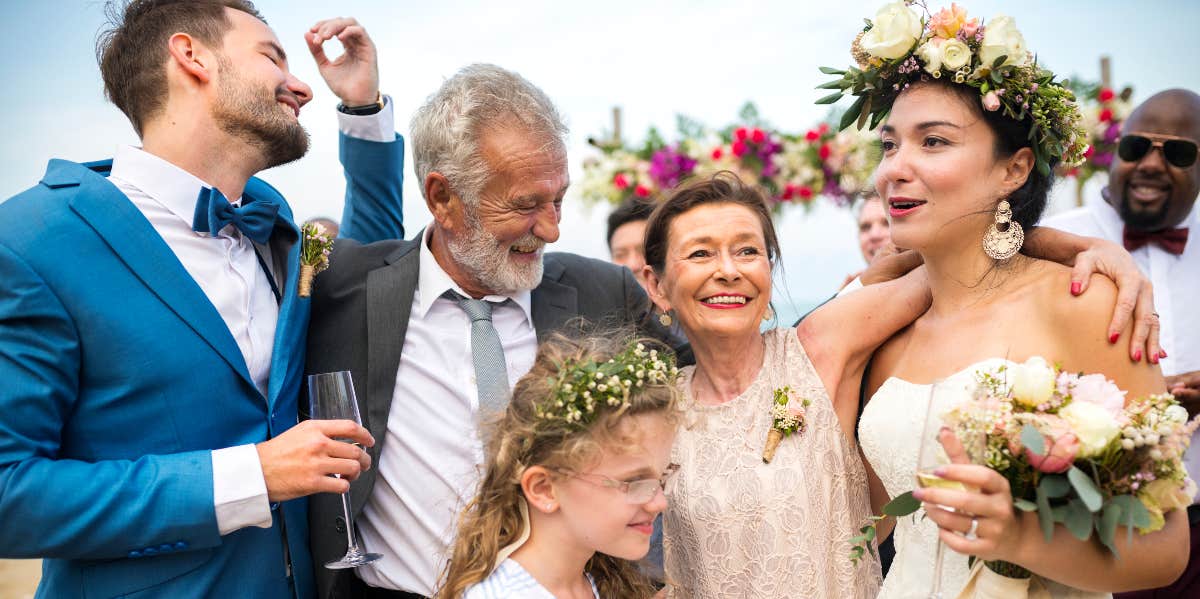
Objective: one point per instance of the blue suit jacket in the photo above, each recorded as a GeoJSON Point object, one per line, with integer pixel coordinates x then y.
{"type": "Point", "coordinates": [117, 379]}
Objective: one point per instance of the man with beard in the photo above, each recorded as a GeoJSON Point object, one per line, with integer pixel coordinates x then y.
{"type": "Point", "coordinates": [436, 329]}
{"type": "Point", "coordinates": [1150, 205]}
{"type": "Point", "coordinates": [150, 327]}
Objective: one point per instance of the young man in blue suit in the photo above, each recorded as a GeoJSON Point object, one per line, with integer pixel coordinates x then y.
{"type": "Point", "coordinates": [151, 335]}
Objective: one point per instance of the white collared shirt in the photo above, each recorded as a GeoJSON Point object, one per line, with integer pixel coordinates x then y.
{"type": "Point", "coordinates": [1176, 281]}
{"type": "Point", "coordinates": [228, 272]}
{"type": "Point", "coordinates": [432, 455]}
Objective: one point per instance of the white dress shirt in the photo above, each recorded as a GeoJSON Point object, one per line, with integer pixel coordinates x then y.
{"type": "Point", "coordinates": [432, 455]}
{"type": "Point", "coordinates": [228, 272]}
{"type": "Point", "coordinates": [1176, 281]}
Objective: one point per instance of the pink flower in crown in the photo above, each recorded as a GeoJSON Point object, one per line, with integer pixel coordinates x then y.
{"type": "Point", "coordinates": [991, 101]}
{"type": "Point", "coordinates": [1095, 388]}
{"type": "Point", "coordinates": [970, 29]}
{"type": "Point", "coordinates": [946, 23]}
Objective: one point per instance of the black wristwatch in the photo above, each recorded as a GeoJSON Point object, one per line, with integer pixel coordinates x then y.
{"type": "Point", "coordinates": [364, 110]}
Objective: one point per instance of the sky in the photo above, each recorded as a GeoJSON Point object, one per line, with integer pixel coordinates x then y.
{"type": "Point", "coordinates": [655, 60]}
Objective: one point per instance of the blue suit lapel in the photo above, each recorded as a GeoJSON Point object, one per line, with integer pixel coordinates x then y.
{"type": "Point", "coordinates": [138, 245]}
{"type": "Point", "coordinates": [292, 327]}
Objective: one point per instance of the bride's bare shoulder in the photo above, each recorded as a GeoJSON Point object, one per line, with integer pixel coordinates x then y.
{"type": "Point", "coordinates": [1080, 327]}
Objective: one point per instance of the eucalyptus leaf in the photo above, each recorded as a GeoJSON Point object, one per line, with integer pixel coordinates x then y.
{"type": "Point", "coordinates": [1106, 525]}
{"type": "Point", "coordinates": [1032, 439]}
{"type": "Point", "coordinates": [1086, 489]}
{"type": "Point", "coordinates": [1024, 505]}
{"type": "Point", "coordinates": [997, 78]}
{"type": "Point", "coordinates": [1045, 518]}
{"type": "Point", "coordinates": [1055, 486]}
{"type": "Point", "coordinates": [831, 98]}
{"type": "Point", "coordinates": [903, 505]}
{"type": "Point", "coordinates": [832, 71]}
{"type": "Point", "coordinates": [999, 61]}
{"type": "Point", "coordinates": [1079, 520]}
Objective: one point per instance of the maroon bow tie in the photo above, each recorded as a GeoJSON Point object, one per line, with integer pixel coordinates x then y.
{"type": "Point", "coordinates": [1170, 240]}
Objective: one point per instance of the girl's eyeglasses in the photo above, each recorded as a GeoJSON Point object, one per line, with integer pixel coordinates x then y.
{"type": "Point", "coordinates": [635, 491]}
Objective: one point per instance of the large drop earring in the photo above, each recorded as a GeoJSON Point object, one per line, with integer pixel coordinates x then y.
{"type": "Point", "coordinates": [665, 319]}
{"type": "Point", "coordinates": [1004, 238]}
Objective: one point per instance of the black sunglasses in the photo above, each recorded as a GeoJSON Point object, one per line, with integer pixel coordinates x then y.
{"type": "Point", "coordinates": [1180, 153]}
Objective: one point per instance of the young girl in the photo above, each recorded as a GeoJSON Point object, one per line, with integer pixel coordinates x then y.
{"type": "Point", "coordinates": [575, 477]}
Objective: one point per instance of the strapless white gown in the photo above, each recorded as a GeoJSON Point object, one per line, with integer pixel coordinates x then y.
{"type": "Point", "coordinates": [889, 433]}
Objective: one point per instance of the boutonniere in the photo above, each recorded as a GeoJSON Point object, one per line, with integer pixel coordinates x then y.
{"type": "Point", "coordinates": [315, 245]}
{"type": "Point", "coordinates": [787, 417]}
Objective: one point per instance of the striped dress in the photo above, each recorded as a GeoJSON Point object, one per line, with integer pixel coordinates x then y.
{"type": "Point", "coordinates": [511, 581]}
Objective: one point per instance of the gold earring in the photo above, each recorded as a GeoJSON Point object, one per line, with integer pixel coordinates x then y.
{"type": "Point", "coordinates": [1004, 238]}
{"type": "Point", "coordinates": [769, 314]}
{"type": "Point", "coordinates": [664, 319]}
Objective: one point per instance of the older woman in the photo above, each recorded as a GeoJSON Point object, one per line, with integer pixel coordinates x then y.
{"type": "Point", "coordinates": [737, 525]}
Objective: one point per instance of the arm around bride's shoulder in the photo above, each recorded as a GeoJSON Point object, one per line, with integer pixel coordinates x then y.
{"type": "Point", "coordinates": [1080, 325]}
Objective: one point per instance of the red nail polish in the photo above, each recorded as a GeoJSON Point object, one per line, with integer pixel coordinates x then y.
{"type": "Point", "coordinates": [1113, 337]}
{"type": "Point", "coordinates": [1137, 355]}
{"type": "Point", "coordinates": [1162, 353]}
{"type": "Point", "coordinates": [1153, 358]}
{"type": "Point", "coordinates": [1075, 285]}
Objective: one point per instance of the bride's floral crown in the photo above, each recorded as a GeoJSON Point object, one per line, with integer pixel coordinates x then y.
{"type": "Point", "coordinates": [901, 47]}
{"type": "Point", "coordinates": [584, 389]}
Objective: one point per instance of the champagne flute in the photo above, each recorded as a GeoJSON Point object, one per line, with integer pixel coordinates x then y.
{"type": "Point", "coordinates": [331, 397]}
{"type": "Point", "coordinates": [945, 396]}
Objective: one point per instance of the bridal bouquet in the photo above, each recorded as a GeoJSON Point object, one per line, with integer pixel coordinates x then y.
{"type": "Point", "coordinates": [1074, 451]}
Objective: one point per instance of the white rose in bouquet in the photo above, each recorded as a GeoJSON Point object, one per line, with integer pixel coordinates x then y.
{"type": "Point", "coordinates": [1032, 382]}
{"type": "Point", "coordinates": [1092, 424]}
{"type": "Point", "coordinates": [1001, 38]}
{"type": "Point", "coordinates": [894, 31]}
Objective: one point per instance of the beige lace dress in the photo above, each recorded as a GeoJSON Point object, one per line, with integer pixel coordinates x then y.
{"type": "Point", "coordinates": [736, 527]}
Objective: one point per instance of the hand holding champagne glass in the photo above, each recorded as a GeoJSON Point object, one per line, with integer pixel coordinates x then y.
{"type": "Point", "coordinates": [935, 439]}
{"type": "Point", "coordinates": [331, 397]}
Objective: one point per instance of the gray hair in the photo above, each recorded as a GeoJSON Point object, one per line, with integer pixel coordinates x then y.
{"type": "Point", "coordinates": [446, 129]}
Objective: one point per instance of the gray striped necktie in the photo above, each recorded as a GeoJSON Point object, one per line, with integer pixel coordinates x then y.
{"type": "Point", "coordinates": [491, 372]}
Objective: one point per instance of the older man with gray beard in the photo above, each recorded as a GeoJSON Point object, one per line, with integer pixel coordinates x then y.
{"type": "Point", "coordinates": [436, 329]}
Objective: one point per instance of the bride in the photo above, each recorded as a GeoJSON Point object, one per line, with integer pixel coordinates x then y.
{"type": "Point", "coordinates": [959, 176]}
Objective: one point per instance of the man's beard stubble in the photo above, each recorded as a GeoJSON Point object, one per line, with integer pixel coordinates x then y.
{"type": "Point", "coordinates": [257, 120]}
{"type": "Point", "coordinates": [486, 260]}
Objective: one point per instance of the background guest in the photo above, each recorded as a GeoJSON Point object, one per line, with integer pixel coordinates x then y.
{"type": "Point", "coordinates": [1150, 204]}
{"type": "Point", "coordinates": [626, 234]}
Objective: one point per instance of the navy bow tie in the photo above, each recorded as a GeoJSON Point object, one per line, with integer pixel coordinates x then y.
{"type": "Point", "coordinates": [255, 219]}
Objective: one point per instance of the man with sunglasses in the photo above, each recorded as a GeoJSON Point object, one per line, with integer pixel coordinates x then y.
{"type": "Point", "coordinates": [1150, 205]}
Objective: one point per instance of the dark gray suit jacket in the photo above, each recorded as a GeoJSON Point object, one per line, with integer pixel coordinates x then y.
{"type": "Point", "coordinates": [360, 311]}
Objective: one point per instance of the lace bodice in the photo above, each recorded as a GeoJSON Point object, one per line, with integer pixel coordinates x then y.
{"type": "Point", "coordinates": [890, 431]}
{"type": "Point", "coordinates": [736, 527]}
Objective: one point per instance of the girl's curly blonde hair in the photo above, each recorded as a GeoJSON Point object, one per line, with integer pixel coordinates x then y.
{"type": "Point", "coordinates": [520, 439]}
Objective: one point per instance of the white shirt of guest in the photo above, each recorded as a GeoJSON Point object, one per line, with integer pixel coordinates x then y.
{"type": "Point", "coordinates": [227, 271]}
{"type": "Point", "coordinates": [1176, 281]}
{"type": "Point", "coordinates": [432, 456]}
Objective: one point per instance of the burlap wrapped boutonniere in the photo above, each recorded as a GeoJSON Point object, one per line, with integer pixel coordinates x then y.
{"type": "Point", "coordinates": [315, 245]}
{"type": "Point", "coordinates": [787, 417]}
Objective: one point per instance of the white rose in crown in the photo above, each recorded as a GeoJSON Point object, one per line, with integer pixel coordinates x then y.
{"type": "Point", "coordinates": [1001, 38]}
{"type": "Point", "coordinates": [893, 32]}
{"type": "Point", "coordinates": [931, 55]}
{"type": "Point", "coordinates": [1092, 424]}
{"type": "Point", "coordinates": [1032, 382]}
{"type": "Point", "coordinates": [955, 54]}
